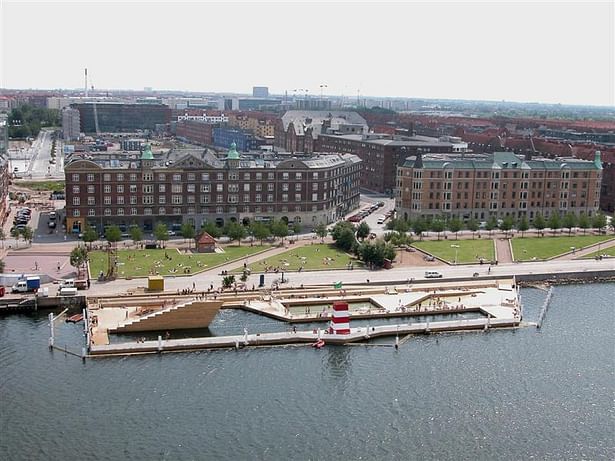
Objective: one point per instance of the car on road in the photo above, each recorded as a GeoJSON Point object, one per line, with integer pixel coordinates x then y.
{"type": "Point", "coordinates": [380, 204]}
{"type": "Point", "coordinates": [433, 275]}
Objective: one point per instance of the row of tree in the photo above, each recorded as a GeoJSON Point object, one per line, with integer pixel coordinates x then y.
{"type": "Point", "coordinates": [455, 225]}
{"type": "Point", "coordinates": [26, 233]}
{"type": "Point", "coordinates": [27, 120]}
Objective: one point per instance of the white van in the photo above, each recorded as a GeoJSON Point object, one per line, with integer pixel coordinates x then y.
{"type": "Point", "coordinates": [433, 275]}
{"type": "Point", "coordinates": [68, 283]}
{"type": "Point", "coordinates": [67, 291]}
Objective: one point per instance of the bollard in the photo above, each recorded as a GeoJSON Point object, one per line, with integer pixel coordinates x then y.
{"type": "Point", "coordinates": [367, 332]}
{"type": "Point", "coordinates": [397, 342]}
{"type": "Point", "coordinates": [159, 343]}
{"type": "Point", "coordinates": [427, 328]}
{"type": "Point", "coordinates": [51, 332]}
{"type": "Point", "coordinates": [236, 344]}
{"type": "Point", "coordinates": [83, 354]}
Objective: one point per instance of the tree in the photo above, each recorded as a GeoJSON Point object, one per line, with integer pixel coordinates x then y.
{"type": "Point", "coordinates": [228, 281]}
{"type": "Point", "coordinates": [89, 235]}
{"type": "Point", "coordinates": [401, 225]}
{"type": "Point", "coordinates": [363, 230]}
{"type": "Point", "coordinates": [2, 266]}
{"type": "Point", "coordinates": [554, 222]}
{"type": "Point", "coordinates": [113, 234]}
{"type": "Point", "coordinates": [374, 253]}
{"type": "Point", "coordinates": [28, 234]}
{"type": "Point", "coordinates": [136, 234]}
{"type": "Point", "coordinates": [279, 229]}
{"type": "Point", "coordinates": [260, 231]}
{"type": "Point", "coordinates": [212, 229]}
{"type": "Point", "coordinates": [321, 231]}
{"type": "Point", "coordinates": [455, 225]}
{"type": "Point", "coordinates": [16, 234]}
{"type": "Point", "coordinates": [492, 223]}
{"type": "Point", "coordinates": [539, 223]}
{"type": "Point", "coordinates": [473, 226]}
{"type": "Point", "coordinates": [437, 226]}
{"type": "Point", "coordinates": [236, 231]}
{"type": "Point", "coordinates": [187, 231]}
{"type": "Point", "coordinates": [297, 227]}
{"type": "Point", "coordinates": [161, 233]}
{"type": "Point", "coordinates": [523, 225]}
{"type": "Point", "coordinates": [584, 222]}
{"type": "Point", "coordinates": [569, 221]}
{"type": "Point", "coordinates": [599, 222]}
{"type": "Point", "coordinates": [418, 227]}
{"type": "Point", "coordinates": [343, 234]}
{"type": "Point", "coordinates": [2, 236]}
{"type": "Point", "coordinates": [78, 257]}
{"type": "Point", "coordinates": [507, 224]}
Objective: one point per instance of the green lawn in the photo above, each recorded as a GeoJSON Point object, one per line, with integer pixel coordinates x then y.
{"type": "Point", "coordinates": [531, 248]}
{"type": "Point", "coordinates": [469, 251]}
{"type": "Point", "coordinates": [610, 251]}
{"type": "Point", "coordinates": [310, 257]}
{"type": "Point", "coordinates": [42, 185]}
{"type": "Point", "coordinates": [147, 262]}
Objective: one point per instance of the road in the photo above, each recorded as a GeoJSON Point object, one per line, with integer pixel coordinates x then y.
{"type": "Point", "coordinates": [34, 162]}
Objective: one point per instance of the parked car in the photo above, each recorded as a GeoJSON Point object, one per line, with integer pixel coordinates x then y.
{"type": "Point", "coordinates": [433, 275]}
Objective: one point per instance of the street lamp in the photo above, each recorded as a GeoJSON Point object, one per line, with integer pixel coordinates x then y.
{"type": "Point", "coordinates": [456, 247]}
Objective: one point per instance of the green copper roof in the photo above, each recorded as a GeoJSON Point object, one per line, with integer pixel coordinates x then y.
{"type": "Point", "coordinates": [232, 152]}
{"type": "Point", "coordinates": [147, 153]}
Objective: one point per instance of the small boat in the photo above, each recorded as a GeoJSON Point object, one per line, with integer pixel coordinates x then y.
{"type": "Point", "coordinates": [318, 344]}
{"type": "Point", "coordinates": [75, 318]}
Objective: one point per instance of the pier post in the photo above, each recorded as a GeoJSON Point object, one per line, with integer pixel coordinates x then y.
{"type": "Point", "coordinates": [85, 323]}
{"type": "Point", "coordinates": [159, 343]}
{"type": "Point", "coordinates": [83, 354]}
{"type": "Point", "coordinates": [367, 332]}
{"type": "Point", "coordinates": [51, 332]}
{"type": "Point", "coordinates": [319, 333]}
{"type": "Point", "coordinates": [427, 328]}
{"type": "Point", "coordinates": [245, 336]}
{"type": "Point", "coordinates": [236, 344]}
{"type": "Point", "coordinates": [397, 342]}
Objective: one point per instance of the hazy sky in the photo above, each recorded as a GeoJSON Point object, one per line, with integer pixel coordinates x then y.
{"type": "Point", "coordinates": [541, 52]}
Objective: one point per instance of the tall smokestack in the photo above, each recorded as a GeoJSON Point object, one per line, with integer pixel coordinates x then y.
{"type": "Point", "coordinates": [86, 82]}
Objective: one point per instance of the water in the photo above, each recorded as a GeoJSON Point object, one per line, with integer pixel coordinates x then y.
{"type": "Point", "coordinates": [541, 394]}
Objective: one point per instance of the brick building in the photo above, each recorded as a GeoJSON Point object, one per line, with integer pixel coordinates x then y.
{"type": "Point", "coordinates": [195, 186]}
{"type": "Point", "coordinates": [196, 132]}
{"type": "Point", "coordinates": [499, 184]}
{"type": "Point", "coordinates": [381, 154]}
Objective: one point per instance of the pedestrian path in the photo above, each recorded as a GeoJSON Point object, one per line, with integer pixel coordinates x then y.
{"type": "Point", "coordinates": [502, 248]}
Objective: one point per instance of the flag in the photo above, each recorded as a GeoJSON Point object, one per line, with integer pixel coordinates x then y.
{"type": "Point", "coordinates": [337, 285]}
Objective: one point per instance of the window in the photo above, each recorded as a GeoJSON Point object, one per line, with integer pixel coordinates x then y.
{"type": "Point", "coordinates": [162, 199]}
{"type": "Point", "coordinates": [133, 188]}
{"type": "Point", "coordinates": [219, 198]}
{"type": "Point", "coordinates": [285, 176]}
{"type": "Point", "coordinates": [270, 197]}
{"type": "Point", "coordinates": [133, 176]}
{"type": "Point", "coordinates": [297, 197]}
{"type": "Point", "coordinates": [148, 188]}
{"type": "Point", "coordinates": [148, 199]}
{"type": "Point", "coordinates": [204, 176]}
{"type": "Point", "coordinates": [219, 187]}
{"type": "Point", "coordinates": [76, 201]}
{"type": "Point", "coordinates": [107, 212]}
{"type": "Point", "coordinates": [162, 188]}
{"type": "Point", "coordinates": [233, 187]}
{"type": "Point", "coordinates": [258, 198]}
{"type": "Point", "coordinates": [133, 200]}
{"type": "Point", "coordinates": [76, 213]}
{"type": "Point", "coordinates": [285, 197]}
{"type": "Point", "coordinates": [148, 176]}
{"type": "Point", "coordinates": [147, 211]}
{"type": "Point", "coordinates": [133, 211]}
{"type": "Point", "coordinates": [246, 176]}
{"type": "Point", "coordinates": [120, 200]}
{"type": "Point", "coordinates": [246, 187]}
{"type": "Point", "coordinates": [90, 189]}
{"type": "Point", "coordinates": [176, 199]}
{"type": "Point", "coordinates": [75, 189]}
{"type": "Point", "coordinates": [162, 177]}
{"type": "Point", "coordinates": [219, 209]}
{"type": "Point", "coordinates": [233, 198]}
{"type": "Point", "coordinates": [176, 188]}
{"type": "Point", "coordinates": [220, 176]}
{"type": "Point", "coordinates": [285, 186]}
{"type": "Point", "coordinates": [314, 186]}
{"type": "Point", "coordinates": [177, 211]}
{"type": "Point", "coordinates": [246, 198]}
{"type": "Point", "coordinates": [191, 177]}
{"type": "Point", "coordinates": [177, 177]}
{"type": "Point", "coordinates": [120, 188]}
{"type": "Point", "coordinates": [314, 197]}
{"type": "Point", "coordinates": [190, 199]}
{"type": "Point", "coordinates": [90, 177]}
{"type": "Point", "coordinates": [91, 201]}
{"type": "Point", "coordinates": [233, 176]}
{"type": "Point", "coordinates": [259, 187]}
{"type": "Point", "coordinates": [298, 175]}
{"type": "Point", "coordinates": [297, 186]}
{"type": "Point", "coordinates": [205, 198]}
{"type": "Point", "coordinates": [259, 176]}
{"type": "Point", "coordinates": [270, 187]}
{"type": "Point", "coordinates": [91, 212]}
{"type": "Point", "coordinates": [270, 175]}
{"type": "Point", "coordinates": [75, 177]}
{"type": "Point", "coordinates": [162, 210]}
{"type": "Point", "coordinates": [107, 200]}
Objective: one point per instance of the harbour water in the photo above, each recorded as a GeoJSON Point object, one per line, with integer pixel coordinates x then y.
{"type": "Point", "coordinates": [507, 394]}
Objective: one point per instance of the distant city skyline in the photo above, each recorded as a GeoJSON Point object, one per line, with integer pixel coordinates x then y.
{"type": "Point", "coordinates": [548, 52]}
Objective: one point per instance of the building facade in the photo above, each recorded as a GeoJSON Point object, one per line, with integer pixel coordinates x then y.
{"type": "Point", "coordinates": [500, 184]}
{"type": "Point", "coordinates": [244, 140]}
{"type": "Point", "coordinates": [382, 154]}
{"type": "Point", "coordinates": [262, 125]}
{"type": "Point", "coordinates": [195, 186]}
{"type": "Point", "coordinates": [194, 132]}
{"type": "Point", "coordinates": [113, 117]}
{"type": "Point", "coordinates": [71, 124]}
{"type": "Point", "coordinates": [260, 92]}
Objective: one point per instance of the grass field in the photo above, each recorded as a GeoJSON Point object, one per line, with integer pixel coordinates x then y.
{"type": "Point", "coordinates": [141, 263]}
{"type": "Point", "coordinates": [534, 248]}
{"type": "Point", "coordinates": [310, 257]}
{"type": "Point", "coordinates": [469, 251]}
{"type": "Point", "coordinates": [42, 185]}
{"type": "Point", "coordinates": [610, 251]}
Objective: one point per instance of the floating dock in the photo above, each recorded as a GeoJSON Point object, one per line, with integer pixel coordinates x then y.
{"type": "Point", "coordinates": [496, 301]}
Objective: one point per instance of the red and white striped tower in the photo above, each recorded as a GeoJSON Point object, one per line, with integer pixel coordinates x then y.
{"type": "Point", "coordinates": [340, 324]}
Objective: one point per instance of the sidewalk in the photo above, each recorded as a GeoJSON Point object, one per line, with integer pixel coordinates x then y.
{"type": "Point", "coordinates": [586, 251]}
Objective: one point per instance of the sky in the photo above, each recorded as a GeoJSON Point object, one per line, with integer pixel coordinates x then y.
{"type": "Point", "coordinates": [551, 52]}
